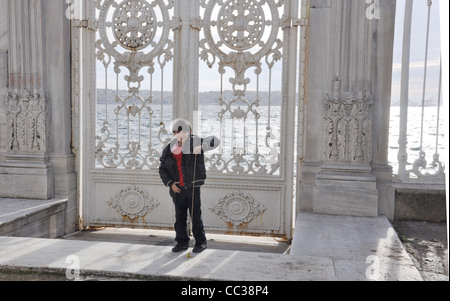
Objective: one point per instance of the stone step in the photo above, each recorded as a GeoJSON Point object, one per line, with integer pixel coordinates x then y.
{"type": "Point", "coordinates": [325, 248]}
{"type": "Point", "coordinates": [32, 218]}
{"type": "Point", "coordinates": [107, 260]}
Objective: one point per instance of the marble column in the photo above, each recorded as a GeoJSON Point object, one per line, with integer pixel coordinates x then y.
{"type": "Point", "coordinates": [57, 71]}
{"type": "Point", "coordinates": [36, 161]}
{"type": "Point", "coordinates": [381, 90]}
{"type": "Point", "coordinates": [26, 171]}
{"type": "Point", "coordinates": [186, 32]}
{"type": "Point", "coordinates": [344, 168]}
{"type": "Point", "coordinates": [3, 72]}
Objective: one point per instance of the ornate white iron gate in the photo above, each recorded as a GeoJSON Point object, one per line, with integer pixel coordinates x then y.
{"type": "Point", "coordinates": [136, 67]}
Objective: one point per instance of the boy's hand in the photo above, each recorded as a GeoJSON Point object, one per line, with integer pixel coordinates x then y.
{"type": "Point", "coordinates": [175, 187]}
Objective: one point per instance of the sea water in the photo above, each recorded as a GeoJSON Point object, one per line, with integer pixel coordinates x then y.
{"type": "Point", "coordinates": [432, 133]}
{"type": "Point", "coordinates": [146, 129]}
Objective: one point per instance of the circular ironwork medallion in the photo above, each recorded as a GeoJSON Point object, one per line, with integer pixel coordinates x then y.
{"type": "Point", "coordinates": [241, 24]}
{"type": "Point", "coordinates": [134, 24]}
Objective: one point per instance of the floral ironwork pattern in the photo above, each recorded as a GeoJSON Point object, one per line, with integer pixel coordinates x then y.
{"type": "Point", "coordinates": [247, 37]}
{"type": "Point", "coordinates": [133, 35]}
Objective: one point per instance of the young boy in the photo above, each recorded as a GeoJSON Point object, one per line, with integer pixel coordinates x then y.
{"type": "Point", "coordinates": [182, 168]}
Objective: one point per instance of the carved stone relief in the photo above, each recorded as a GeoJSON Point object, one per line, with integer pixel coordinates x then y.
{"type": "Point", "coordinates": [27, 122]}
{"type": "Point", "coordinates": [237, 208]}
{"type": "Point", "coordinates": [133, 202]}
{"type": "Point", "coordinates": [348, 129]}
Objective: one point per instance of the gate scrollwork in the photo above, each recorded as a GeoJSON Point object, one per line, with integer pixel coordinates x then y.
{"type": "Point", "coordinates": [242, 35]}
{"type": "Point", "coordinates": [133, 35]}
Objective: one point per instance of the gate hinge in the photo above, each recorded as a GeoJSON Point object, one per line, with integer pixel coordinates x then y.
{"type": "Point", "coordinates": [293, 22]}
{"type": "Point", "coordinates": [90, 24]}
{"type": "Point", "coordinates": [300, 22]}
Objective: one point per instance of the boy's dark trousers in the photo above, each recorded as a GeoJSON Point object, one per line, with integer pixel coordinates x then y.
{"type": "Point", "coordinates": [183, 203]}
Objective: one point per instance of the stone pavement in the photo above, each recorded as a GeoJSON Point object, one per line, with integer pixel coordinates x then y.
{"type": "Point", "coordinates": [361, 248]}
{"type": "Point", "coordinates": [325, 248]}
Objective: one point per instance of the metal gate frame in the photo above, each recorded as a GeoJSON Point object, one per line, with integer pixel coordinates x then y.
{"type": "Point", "coordinates": [248, 204]}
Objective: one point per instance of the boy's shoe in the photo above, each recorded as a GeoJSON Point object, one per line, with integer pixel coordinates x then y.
{"type": "Point", "coordinates": [180, 248]}
{"type": "Point", "coordinates": [199, 248]}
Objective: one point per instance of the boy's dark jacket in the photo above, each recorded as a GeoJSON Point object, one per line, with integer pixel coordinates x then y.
{"type": "Point", "coordinates": [168, 170]}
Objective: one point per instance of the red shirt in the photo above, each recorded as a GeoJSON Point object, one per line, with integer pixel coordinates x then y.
{"type": "Point", "coordinates": [178, 155]}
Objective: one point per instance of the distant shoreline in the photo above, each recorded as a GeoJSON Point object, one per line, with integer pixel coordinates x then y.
{"type": "Point", "coordinates": [212, 98]}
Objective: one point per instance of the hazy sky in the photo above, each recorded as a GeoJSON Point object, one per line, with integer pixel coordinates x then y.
{"type": "Point", "coordinates": [417, 59]}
